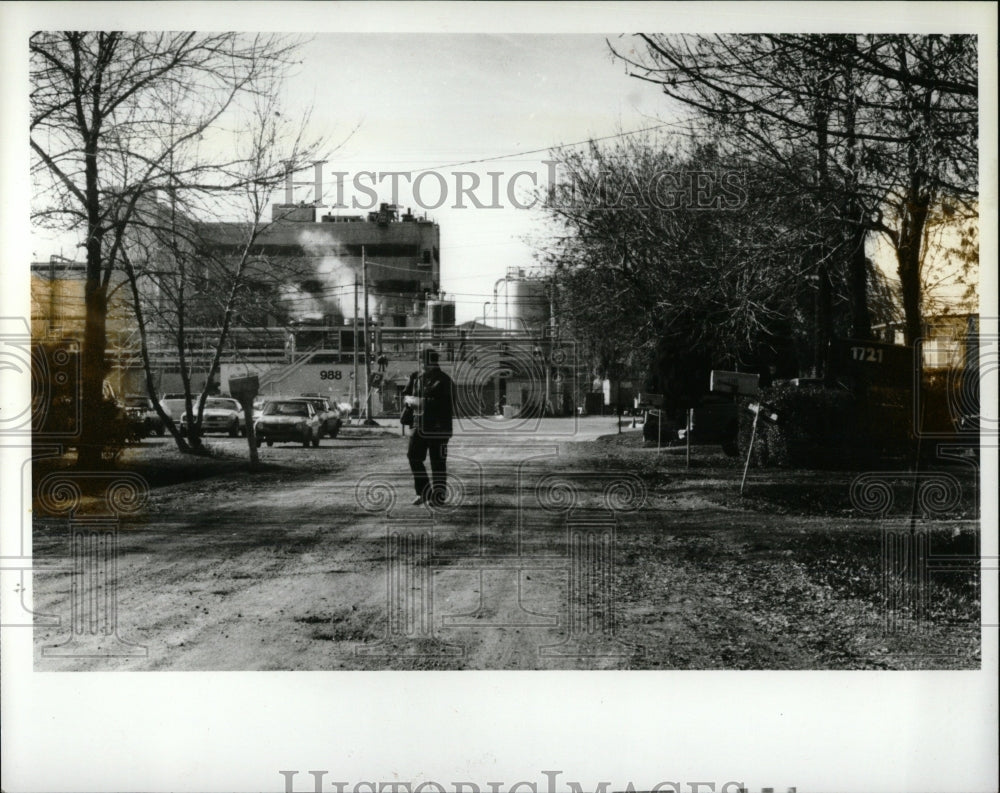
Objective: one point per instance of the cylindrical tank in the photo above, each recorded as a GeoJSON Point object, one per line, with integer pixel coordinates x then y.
{"type": "Point", "coordinates": [529, 302]}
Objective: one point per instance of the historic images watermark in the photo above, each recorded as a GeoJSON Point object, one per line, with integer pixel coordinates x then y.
{"type": "Point", "coordinates": [545, 372]}
{"type": "Point", "coordinates": [318, 782]}
{"type": "Point", "coordinates": [582, 567]}
{"type": "Point", "coordinates": [916, 509]}
{"type": "Point", "coordinates": [551, 186]}
{"type": "Point", "coordinates": [90, 504]}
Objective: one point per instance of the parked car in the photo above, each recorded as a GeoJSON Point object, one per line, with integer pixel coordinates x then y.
{"type": "Point", "coordinates": [329, 415]}
{"type": "Point", "coordinates": [173, 406]}
{"type": "Point", "coordinates": [221, 414]}
{"type": "Point", "coordinates": [142, 415]}
{"type": "Point", "coordinates": [288, 420]}
{"type": "Point", "coordinates": [258, 406]}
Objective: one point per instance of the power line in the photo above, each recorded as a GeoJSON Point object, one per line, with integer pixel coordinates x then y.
{"type": "Point", "coordinates": [550, 148]}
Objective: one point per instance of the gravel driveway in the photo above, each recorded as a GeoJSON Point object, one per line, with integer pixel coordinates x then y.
{"type": "Point", "coordinates": [558, 549]}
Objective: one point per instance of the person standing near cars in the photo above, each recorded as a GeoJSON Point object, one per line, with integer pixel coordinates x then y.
{"type": "Point", "coordinates": [430, 393]}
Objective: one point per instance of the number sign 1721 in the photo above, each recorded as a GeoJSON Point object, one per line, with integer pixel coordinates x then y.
{"type": "Point", "coordinates": [866, 354]}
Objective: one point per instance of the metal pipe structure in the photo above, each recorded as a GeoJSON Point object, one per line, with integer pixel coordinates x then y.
{"type": "Point", "coordinates": [496, 302]}
{"type": "Point", "coordinates": [354, 399]}
{"type": "Point", "coordinates": [486, 305]}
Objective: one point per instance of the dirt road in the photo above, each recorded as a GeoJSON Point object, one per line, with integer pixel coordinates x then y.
{"type": "Point", "coordinates": [554, 551]}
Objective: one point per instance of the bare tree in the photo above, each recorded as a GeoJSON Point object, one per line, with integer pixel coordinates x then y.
{"type": "Point", "coordinates": [185, 273]}
{"type": "Point", "coordinates": [889, 123]}
{"type": "Point", "coordinates": [118, 118]}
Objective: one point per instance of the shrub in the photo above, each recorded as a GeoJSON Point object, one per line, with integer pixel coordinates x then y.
{"type": "Point", "coordinates": [821, 427]}
{"type": "Point", "coordinates": [817, 427]}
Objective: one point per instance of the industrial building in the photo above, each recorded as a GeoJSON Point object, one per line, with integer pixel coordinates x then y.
{"type": "Point", "coordinates": [308, 337]}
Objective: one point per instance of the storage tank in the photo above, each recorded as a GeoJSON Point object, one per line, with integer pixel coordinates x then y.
{"type": "Point", "coordinates": [529, 302]}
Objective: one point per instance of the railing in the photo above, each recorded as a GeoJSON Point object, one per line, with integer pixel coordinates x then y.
{"type": "Point", "coordinates": [278, 375]}
{"type": "Point", "coordinates": [275, 346]}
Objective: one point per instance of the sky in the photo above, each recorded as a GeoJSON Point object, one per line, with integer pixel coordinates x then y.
{"type": "Point", "coordinates": [457, 108]}
{"type": "Point", "coordinates": [425, 101]}
{"type": "Point", "coordinates": [417, 102]}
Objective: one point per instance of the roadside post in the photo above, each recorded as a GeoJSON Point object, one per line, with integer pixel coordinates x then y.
{"type": "Point", "coordinates": [245, 389]}
{"type": "Point", "coordinates": [651, 405]}
{"type": "Point", "coordinates": [687, 438]}
{"type": "Point", "coordinates": [769, 415]}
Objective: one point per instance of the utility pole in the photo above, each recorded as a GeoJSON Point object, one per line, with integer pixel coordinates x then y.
{"type": "Point", "coordinates": [550, 347]}
{"type": "Point", "coordinates": [354, 399]}
{"type": "Point", "coordinates": [547, 363]}
{"type": "Point", "coordinates": [368, 365]}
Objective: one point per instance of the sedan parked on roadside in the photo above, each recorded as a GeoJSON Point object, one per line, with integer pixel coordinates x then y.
{"type": "Point", "coordinates": [294, 420]}
{"type": "Point", "coordinates": [173, 406]}
{"type": "Point", "coordinates": [221, 414]}
{"type": "Point", "coordinates": [329, 416]}
{"type": "Point", "coordinates": [142, 416]}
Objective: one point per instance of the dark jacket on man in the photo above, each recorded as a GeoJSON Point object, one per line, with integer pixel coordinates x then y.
{"type": "Point", "coordinates": [434, 387]}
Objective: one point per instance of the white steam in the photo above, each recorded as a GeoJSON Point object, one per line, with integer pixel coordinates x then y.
{"type": "Point", "coordinates": [336, 276]}
{"type": "Point", "coordinates": [301, 304]}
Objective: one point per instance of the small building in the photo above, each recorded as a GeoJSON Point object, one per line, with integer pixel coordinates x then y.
{"type": "Point", "coordinates": [945, 340]}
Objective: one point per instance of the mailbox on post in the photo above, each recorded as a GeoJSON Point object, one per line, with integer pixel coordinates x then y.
{"type": "Point", "coordinates": [740, 383]}
{"type": "Point", "coordinates": [244, 388]}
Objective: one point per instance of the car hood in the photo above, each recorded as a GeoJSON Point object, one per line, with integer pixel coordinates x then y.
{"type": "Point", "coordinates": [218, 413]}
{"type": "Point", "coordinates": [283, 419]}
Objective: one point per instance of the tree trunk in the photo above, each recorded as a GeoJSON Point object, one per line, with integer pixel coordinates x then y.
{"type": "Point", "coordinates": [95, 331]}
{"type": "Point", "coordinates": [250, 432]}
{"type": "Point", "coordinates": [144, 352]}
{"type": "Point", "coordinates": [908, 262]}
{"type": "Point", "coordinates": [857, 225]}
{"type": "Point", "coordinates": [857, 265]}
{"type": "Point", "coordinates": [92, 436]}
{"type": "Point", "coordinates": [824, 331]}
{"type": "Point", "coordinates": [908, 259]}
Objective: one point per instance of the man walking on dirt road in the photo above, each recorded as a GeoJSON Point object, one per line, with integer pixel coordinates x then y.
{"type": "Point", "coordinates": [430, 393]}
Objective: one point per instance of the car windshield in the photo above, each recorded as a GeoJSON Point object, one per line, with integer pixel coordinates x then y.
{"type": "Point", "coordinates": [137, 402]}
{"type": "Point", "coordinates": [286, 409]}
{"type": "Point", "coordinates": [223, 404]}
